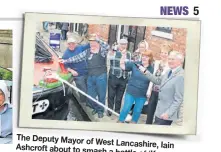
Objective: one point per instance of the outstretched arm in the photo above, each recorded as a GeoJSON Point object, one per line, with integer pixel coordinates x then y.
{"type": "Point", "coordinates": [85, 46]}
{"type": "Point", "coordinates": [150, 76]}
{"type": "Point", "coordinates": [77, 58]}
{"type": "Point", "coordinates": [125, 64]}
{"type": "Point", "coordinates": [104, 47]}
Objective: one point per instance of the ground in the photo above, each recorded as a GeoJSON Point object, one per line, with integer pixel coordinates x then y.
{"type": "Point", "coordinates": [113, 118]}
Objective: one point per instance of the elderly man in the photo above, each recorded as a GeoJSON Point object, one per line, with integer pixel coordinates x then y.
{"type": "Point", "coordinates": [78, 69]}
{"type": "Point", "coordinates": [118, 78]}
{"type": "Point", "coordinates": [97, 76]}
{"type": "Point", "coordinates": [97, 71]}
{"type": "Point", "coordinates": [5, 115]}
{"type": "Point", "coordinates": [171, 90]}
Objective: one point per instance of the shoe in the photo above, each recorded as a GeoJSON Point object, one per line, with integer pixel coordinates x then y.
{"type": "Point", "coordinates": [94, 112]}
{"type": "Point", "coordinates": [132, 122]}
{"type": "Point", "coordinates": [118, 121]}
{"type": "Point", "coordinates": [100, 115]}
{"type": "Point", "coordinates": [109, 113]}
{"type": "Point", "coordinates": [88, 105]}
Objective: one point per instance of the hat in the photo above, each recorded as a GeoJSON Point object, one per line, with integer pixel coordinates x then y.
{"type": "Point", "coordinates": [123, 41]}
{"type": "Point", "coordinates": [71, 40]}
{"type": "Point", "coordinates": [92, 37]}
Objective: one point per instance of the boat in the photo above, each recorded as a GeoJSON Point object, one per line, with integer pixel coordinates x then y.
{"type": "Point", "coordinates": [50, 97]}
{"type": "Point", "coordinates": [51, 100]}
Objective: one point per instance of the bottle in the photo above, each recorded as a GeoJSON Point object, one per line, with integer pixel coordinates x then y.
{"type": "Point", "coordinates": [63, 69]}
{"type": "Point", "coordinates": [114, 47]}
{"type": "Point", "coordinates": [141, 68]}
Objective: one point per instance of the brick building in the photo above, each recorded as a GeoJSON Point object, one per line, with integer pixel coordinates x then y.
{"type": "Point", "coordinates": [155, 36]}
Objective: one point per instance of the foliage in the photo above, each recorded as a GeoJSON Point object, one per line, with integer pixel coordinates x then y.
{"type": "Point", "coordinates": [5, 74]}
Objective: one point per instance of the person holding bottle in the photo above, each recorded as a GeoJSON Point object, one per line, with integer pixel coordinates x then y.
{"type": "Point", "coordinates": [137, 86]}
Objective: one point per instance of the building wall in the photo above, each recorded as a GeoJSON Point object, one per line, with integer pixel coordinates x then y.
{"type": "Point", "coordinates": [177, 43]}
{"type": "Point", "coordinates": [6, 48]}
{"type": "Point", "coordinates": [103, 30]}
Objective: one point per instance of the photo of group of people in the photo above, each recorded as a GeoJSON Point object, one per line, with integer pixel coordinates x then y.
{"type": "Point", "coordinates": [128, 74]}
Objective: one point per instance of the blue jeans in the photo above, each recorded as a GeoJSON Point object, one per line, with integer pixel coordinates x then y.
{"type": "Point", "coordinates": [128, 102]}
{"type": "Point", "coordinates": [81, 83]}
{"type": "Point", "coordinates": [64, 34]}
{"type": "Point", "coordinates": [96, 86]}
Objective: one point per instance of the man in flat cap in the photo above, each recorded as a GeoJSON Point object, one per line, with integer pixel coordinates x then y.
{"type": "Point", "coordinates": [118, 78]}
{"type": "Point", "coordinates": [97, 71]}
{"type": "Point", "coordinates": [77, 67]}
{"type": "Point", "coordinates": [97, 76]}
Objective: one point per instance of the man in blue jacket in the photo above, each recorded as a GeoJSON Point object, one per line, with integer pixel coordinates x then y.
{"type": "Point", "coordinates": [78, 69]}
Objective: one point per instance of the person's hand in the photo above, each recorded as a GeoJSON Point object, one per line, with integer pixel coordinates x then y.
{"type": "Point", "coordinates": [97, 35]}
{"type": "Point", "coordinates": [148, 96]}
{"type": "Point", "coordinates": [94, 35]}
{"type": "Point", "coordinates": [142, 69]}
{"type": "Point", "coordinates": [164, 116]}
{"type": "Point", "coordinates": [74, 73]}
{"type": "Point", "coordinates": [61, 61]}
{"type": "Point", "coordinates": [111, 52]}
{"type": "Point", "coordinates": [137, 51]}
{"type": "Point", "coordinates": [122, 61]}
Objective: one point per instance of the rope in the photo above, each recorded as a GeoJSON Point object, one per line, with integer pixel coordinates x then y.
{"type": "Point", "coordinates": [83, 93]}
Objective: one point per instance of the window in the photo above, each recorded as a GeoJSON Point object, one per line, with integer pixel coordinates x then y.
{"type": "Point", "coordinates": [134, 34]}
{"type": "Point", "coordinates": [124, 31]}
{"type": "Point", "coordinates": [163, 32]}
{"type": "Point", "coordinates": [76, 27]}
{"type": "Point", "coordinates": [112, 34]}
{"type": "Point", "coordinates": [83, 29]}
{"type": "Point", "coordinates": [132, 38]}
{"type": "Point", "coordinates": [164, 29]}
{"type": "Point", "coordinates": [140, 35]}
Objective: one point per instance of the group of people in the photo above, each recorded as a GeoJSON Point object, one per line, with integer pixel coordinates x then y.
{"type": "Point", "coordinates": [137, 77]}
{"type": "Point", "coordinates": [5, 115]}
